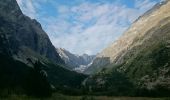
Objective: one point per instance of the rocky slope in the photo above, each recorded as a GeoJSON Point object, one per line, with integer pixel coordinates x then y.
{"type": "Point", "coordinates": [139, 29]}
{"type": "Point", "coordinates": [142, 55]}
{"type": "Point", "coordinates": [75, 62]}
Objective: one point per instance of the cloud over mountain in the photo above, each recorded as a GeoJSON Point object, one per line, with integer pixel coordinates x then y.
{"type": "Point", "coordinates": [85, 26]}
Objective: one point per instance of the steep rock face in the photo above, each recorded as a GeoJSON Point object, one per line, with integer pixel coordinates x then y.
{"type": "Point", "coordinates": [75, 62]}
{"type": "Point", "coordinates": [25, 36]}
{"type": "Point", "coordinates": [140, 28]}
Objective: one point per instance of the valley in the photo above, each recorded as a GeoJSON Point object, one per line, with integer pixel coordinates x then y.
{"type": "Point", "coordinates": [135, 67]}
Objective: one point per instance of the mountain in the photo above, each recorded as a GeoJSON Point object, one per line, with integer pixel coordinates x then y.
{"type": "Point", "coordinates": [141, 55]}
{"type": "Point", "coordinates": [75, 62]}
{"type": "Point", "coordinates": [26, 37]}
{"type": "Point", "coordinates": [137, 34]}
{"type": "Point", "coordinates": [29, 63]}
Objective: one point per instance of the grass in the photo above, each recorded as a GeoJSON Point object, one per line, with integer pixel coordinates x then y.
{"type": "Point", "coordinates": [64, 97]}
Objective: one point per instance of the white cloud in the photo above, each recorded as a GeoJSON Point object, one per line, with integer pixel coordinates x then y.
{"type": "Point", "coordinates": [91, 39]}
{"type": "Point", "coordinates": [88, 27]}
{"type": "Point", "coordinates": [63, 9]}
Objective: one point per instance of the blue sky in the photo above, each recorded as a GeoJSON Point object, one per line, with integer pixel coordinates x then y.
{"type": "Point", "coordinates": [85, 26]}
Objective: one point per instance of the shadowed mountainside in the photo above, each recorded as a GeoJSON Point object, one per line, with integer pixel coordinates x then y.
{"type": "Point", "coordinates": [29, 62]}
